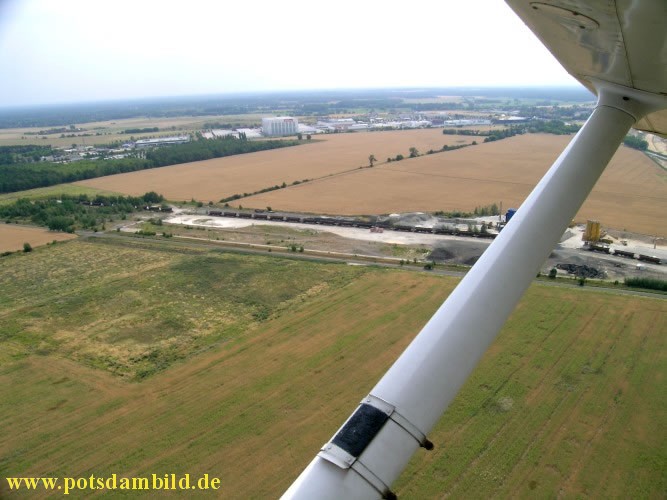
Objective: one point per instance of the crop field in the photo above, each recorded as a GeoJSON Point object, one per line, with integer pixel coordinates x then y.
{"type": "Point", "coordinates": [53, 191]}
{"type": "Point", "coordinates": [212, 180]}
{"type": "Point", "coordinates": [569, 401]}
{"type": "Point", "coordinates": [13, 237]}
{"type": "Point", "coordinates": [630, 194]}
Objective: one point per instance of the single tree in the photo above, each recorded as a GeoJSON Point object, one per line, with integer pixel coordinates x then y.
{"type": "Point", "coordinates": [414, 152]}
{"type": "Point", "coordinates": [27, 248]}
{"type": "Point", "coordinates": [371, 160]}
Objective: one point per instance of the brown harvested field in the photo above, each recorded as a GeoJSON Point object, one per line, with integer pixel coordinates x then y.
{"type": "Point", "coordinates": [13, 237]}
{"type": "Point", "coordinates": [212, 180]}
{"type": "Point", "coordinates": [631, 194]}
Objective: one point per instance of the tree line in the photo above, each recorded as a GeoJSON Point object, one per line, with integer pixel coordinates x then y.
{"type": "Point", "coordinates": [556, 127]}
{"type": "Point", "coordinates": [146, 130]}
{"type": "Point", "coordinates": [68, 213]}
{"type": "Point", "coordinates": [635, 142]}
{"type": "Point", "coordinates": [22, 176]}
{"type": "Point", "coordinates": [480, 211]}
{"type": "Point", "coordinates": [10, 155]}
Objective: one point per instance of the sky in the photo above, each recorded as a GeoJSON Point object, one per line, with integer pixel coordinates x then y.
{"type": "Point", "coordinates": [90, 50]}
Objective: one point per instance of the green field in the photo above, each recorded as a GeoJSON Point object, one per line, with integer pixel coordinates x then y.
{"type": "Point", "coordinates": [52, 191]}
{"type": "Point", "coordinates": [134, 312]}
{"type": "Point", "coordinates": [258, 360]}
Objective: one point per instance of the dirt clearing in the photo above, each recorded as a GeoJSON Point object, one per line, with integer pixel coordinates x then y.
{"type": "Point", "coordinates": [13, 237]}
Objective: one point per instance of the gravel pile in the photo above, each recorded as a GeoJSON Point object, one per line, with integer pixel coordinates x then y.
{"type": "Point", "coordinates": [581, 271]}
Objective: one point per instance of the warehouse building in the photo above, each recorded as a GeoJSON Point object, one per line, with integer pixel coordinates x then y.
{"type": "Point", "coordinates": [282, 125]}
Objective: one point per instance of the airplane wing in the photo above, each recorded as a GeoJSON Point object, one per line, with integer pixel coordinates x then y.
{"type": "Point", "coordinates": [616, 48]}
{"type": "Point", "coordinates": [619, 42]}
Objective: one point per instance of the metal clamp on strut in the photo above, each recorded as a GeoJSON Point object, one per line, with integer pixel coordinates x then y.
{"type": "Point", "coordinates": [365, 423]}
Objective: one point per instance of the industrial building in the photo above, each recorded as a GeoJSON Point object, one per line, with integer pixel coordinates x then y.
{"type": "Point", "coordinates": [162, 141]}
{"type": "Point", "coordinates": [282, 125]}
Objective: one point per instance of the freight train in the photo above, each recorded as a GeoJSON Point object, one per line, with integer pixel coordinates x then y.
{"type": "Point", "coordinates": [343, 222]}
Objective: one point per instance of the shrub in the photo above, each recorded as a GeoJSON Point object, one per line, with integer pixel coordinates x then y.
{"type": "Point", "coordinates": [27, 248]}
{"type": "Point", "coordinates": [649, 283]}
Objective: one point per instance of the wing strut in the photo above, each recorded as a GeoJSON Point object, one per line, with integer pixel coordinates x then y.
{"type": "Point", "coordinates": [371, 449]}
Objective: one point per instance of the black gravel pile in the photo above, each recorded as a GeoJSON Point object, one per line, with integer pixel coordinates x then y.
{"type": "Point", "coordinates": [581, 271]}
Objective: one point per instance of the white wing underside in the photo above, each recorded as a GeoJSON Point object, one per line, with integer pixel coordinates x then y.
{"type": "Point", "coordinates": [622, 42]}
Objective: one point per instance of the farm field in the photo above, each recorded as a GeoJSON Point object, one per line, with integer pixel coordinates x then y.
{"type": "Point", "coordinates": [630, 195]}
{"type": "Point", "coordinates": [566, 402]}
{"type": "Point", "coordinates": [134, 321]}
{"type": "Point", "coordinates": [212, 180]}
{"type": "Point", "coordinates": [13, 237]}
{"type": "Point", "coordinates": [52, 191]}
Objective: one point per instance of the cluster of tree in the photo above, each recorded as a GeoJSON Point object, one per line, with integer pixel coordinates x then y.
{"type": "Point", "coordinates": [458, 146]}
{"type": "Point", "coordinates": [260, 191]}
{"type": "Point", "coordinates": [649, 283]}
{"type": "Point", "coordinates": [33, 175]}
{"type": "Point", "coordinates": [481, 211]}
{"type": "Point", "coordinates": [464, 131]}
{"type": "Point", "coordinates": [398, 157]}
{"type": "Point", "coordinates": [556, 127]}
{"type": "Point", "coordinates": [414, 152]}
{"type": "Point", "coordinates": [472, 228]}
{"type": "Point", "coordinates": [211, 148]}
{"type": "Point", "coordinates": [486, 210]}
{"type": "Point", "coordinates": [453, 214]}
{"type": "Point", "coordinates": [69, 213]}
{"type": "Point", "coordinates": [10, 155]}
{"type": "Point", "coordinates": [18, 177]}
{"type": "Point", "coordinates": [497, 135]}
{"type": "Point", "coordinates": [224, 125]}
{"type": "Point", "coordinates": [146, 130]}
{"type": "Point", "coordinates": [51, 131]}
{"type": "Point", "coordinates": [635, 142]}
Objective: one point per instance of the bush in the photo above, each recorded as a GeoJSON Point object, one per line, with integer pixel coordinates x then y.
{"type": "Point", "coordinates": [553, 273]}
{"type": "Point", "coordinates": [27, 248]}
{"type": "Point", "coordinates": [648, 283]}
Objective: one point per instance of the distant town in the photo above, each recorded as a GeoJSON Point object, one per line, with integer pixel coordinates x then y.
{"type": "Point", "coordinates": [285, 126]}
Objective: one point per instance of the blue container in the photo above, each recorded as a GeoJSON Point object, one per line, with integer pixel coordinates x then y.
{"type": "Point", "coordinates": [510, 213]}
